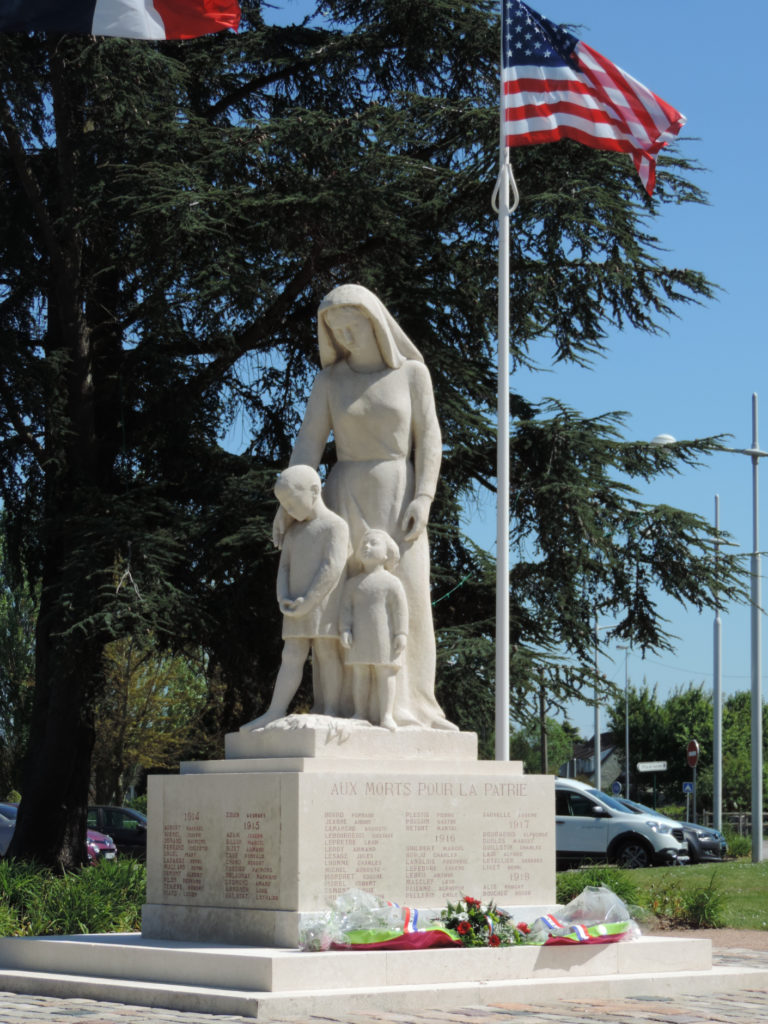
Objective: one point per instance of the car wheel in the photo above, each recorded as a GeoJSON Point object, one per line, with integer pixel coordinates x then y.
{"type": "Point", "coordinates": [632, 853]}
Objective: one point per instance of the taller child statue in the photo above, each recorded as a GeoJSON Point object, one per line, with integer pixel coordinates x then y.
{"type": "Point", "coordinates": [374, 394]}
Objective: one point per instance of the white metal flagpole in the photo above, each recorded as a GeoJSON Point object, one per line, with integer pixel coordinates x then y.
{"type": "Point", "coordinates": [501, 202]}
{"type": "Point", "coordinates": [502, 472]}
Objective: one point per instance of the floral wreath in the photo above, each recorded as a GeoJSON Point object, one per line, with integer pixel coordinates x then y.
{"type": "Point", "coordinates": [482, 924]}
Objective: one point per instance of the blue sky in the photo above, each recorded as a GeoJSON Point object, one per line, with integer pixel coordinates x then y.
{"type": "Point", "coordinates": [697, 380]}
{"type": "Point", "coordinates": [705, 59]}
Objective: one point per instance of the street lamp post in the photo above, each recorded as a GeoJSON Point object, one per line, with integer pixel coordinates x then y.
{"type": "Point", "coordinates": [757, 696]}
{"type": "Point", "coordinates": [717, 693]}
{"type": "Point", "coordinates": [597, 751]}
{"type": "Point", "coordinates": [756, 705]}
{"type": "Point", "coordinates": [626, 715]}
{"type": "Point", "coordinates": [598, 775]}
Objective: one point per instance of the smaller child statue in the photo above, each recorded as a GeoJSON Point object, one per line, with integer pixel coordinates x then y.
{"type": "Point", "coordinates": [312, 563]}
{"type": "Point", "coordinates": [373, 625]}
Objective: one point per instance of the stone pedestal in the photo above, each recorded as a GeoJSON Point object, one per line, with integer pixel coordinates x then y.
{"type": "Point", "coordinates": [239, 849]}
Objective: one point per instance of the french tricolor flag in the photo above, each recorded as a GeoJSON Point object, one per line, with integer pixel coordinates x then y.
{"type": "Point", "coordinates": [130, 19]}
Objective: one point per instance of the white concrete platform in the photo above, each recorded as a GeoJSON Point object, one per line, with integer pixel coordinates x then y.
{"type": "Point", "coordinates": [282, 984]}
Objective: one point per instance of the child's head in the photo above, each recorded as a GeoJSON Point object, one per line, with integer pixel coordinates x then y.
{"type": "Point", "coordinates": [298, 490]}
{"type": "Point", "coordinates": [376, 547]}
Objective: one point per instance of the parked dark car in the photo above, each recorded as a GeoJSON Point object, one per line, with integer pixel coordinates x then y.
{"type": "Point", "coordinates": [7, 826]}
{"type": "Point", "coordinates": [704, 844]}
{"type": "Point", "coordinates": [126, 826]}
{"type": "Point", "coordinates": [97, 846]}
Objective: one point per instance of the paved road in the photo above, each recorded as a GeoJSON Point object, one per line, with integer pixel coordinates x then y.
{"type": "Point", "coordinates": [741, 1006]}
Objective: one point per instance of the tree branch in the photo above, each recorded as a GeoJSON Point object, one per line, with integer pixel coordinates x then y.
{"type": "Point", "coordinates": [304, 65]}
{"type": "Point", "coordinates": [37, 450]}
{"type": "Point", "coordinates": [30, 186]}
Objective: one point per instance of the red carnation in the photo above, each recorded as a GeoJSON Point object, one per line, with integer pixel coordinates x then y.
{"type": "Point", "coordinates": [523, 927]}
{"type": "Point", "coordinates": [494, 940]}
{"type": "Point", "coordinates": [471, 901]}
{"type": "Point", "coordinates": [463, 927]}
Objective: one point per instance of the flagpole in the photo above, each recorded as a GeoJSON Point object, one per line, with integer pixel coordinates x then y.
{"type": "Point", "coordinates": [502, 473]}
{"type": "Point", "coordinates": [502, 437]}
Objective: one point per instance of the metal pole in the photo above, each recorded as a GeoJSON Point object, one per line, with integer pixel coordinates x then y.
{"type": "Point", "coordinates": [717, 693]}
{"type": "Point", "coordinates": [502, 447]}
{"type": "Point", "coordinates": [626, 717]}
{"type": "Point", "coordinates": [756, 702]}
{"type": "Point", "coordinates": [597, 751]}
{"type": "Point", "coordinates": [757, 699]}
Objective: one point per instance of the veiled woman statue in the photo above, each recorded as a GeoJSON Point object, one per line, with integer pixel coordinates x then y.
{"type": "Point", "coordinates": [374, 395]}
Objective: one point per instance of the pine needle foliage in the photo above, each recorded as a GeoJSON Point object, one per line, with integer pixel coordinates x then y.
{"type": "Point", "coordinates": [172, 213]}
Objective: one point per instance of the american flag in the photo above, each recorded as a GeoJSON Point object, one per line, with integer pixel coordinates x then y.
{"type": "Point", "coordinates": [556, 87]}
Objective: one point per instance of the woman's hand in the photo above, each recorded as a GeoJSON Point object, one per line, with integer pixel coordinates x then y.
{"type": "Point", "coordinates": [416, 516]}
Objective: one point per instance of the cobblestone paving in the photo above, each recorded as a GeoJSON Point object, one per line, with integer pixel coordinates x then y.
{"type": "Point", "coordinates": [740, 1006]}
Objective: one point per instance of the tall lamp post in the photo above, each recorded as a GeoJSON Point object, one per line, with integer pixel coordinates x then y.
{"type": "Point", "coordinates": [625, 648]}
{"type": "Point", "coordinates": [598, 753]}
{"type": "Point", "coordinates": [756, 708]}
{"type": "Point", "coordinates": [756, 704]}
{"type": "Point", "coordinates": [717, 693]}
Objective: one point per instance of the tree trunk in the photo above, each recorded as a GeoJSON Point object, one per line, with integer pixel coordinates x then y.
{"type": "Point", "coordinates": [70, 637]}
{"type": "Point", "coordinates": [52, 818]}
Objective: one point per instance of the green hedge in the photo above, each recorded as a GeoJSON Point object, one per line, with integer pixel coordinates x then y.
{"type": "Point", "coordinates": [104, 898]}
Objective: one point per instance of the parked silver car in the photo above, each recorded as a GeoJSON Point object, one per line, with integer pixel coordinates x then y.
{"type": "Point", "coordinates": [591, 825]}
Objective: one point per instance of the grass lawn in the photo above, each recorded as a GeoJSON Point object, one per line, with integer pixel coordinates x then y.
{"type": "Point", "coordinates": [744, 885]}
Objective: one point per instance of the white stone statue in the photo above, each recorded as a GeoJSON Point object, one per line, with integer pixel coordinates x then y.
{"type": "Point", "coordinates": [374, 395]}
{"type": "Point", "coordinates": [309, 578]}
{"type": "Point", "coordinates": [373, 627]}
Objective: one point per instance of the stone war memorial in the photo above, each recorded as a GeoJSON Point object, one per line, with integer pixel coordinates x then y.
{"type": "Point", "coordinates": [374, 789]}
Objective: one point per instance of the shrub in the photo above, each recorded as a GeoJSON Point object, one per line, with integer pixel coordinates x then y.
{"type": "Point", "coordinates": [106, 897]}
{"type": "Point", "coordinates": [674, 811]}
{"type": "Point", "coordinates": [704, 906]}
{"type": "Point", "coordinates": [689, 907]}
{"type": "Point", "coordinates": [139, 803]}
{"type": "Point", "coordinates": [571, 883]}
{"type": "Point", "coordinates": [738, 845]}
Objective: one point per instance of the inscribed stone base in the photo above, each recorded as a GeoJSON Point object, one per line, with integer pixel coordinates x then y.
{"type": "Point", "coordinates": [237, 856]}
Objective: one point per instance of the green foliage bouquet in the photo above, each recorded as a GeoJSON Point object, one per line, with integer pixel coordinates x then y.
{"type": "Point", "coordinates": [482, 924]}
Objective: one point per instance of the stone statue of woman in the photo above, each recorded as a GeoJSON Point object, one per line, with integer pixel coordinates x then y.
{"type": "Point", "coordinates": [374, 394]}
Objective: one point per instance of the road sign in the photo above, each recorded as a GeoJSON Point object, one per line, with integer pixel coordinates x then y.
{"type": "Point", "coordinates": [651, 766]}
{"type": "Point", "coordinates": [692, 754]}
{"type": "Point", "coordinates": [687, 787]}
{"type": "Point", "coordinates": [616, 787]}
